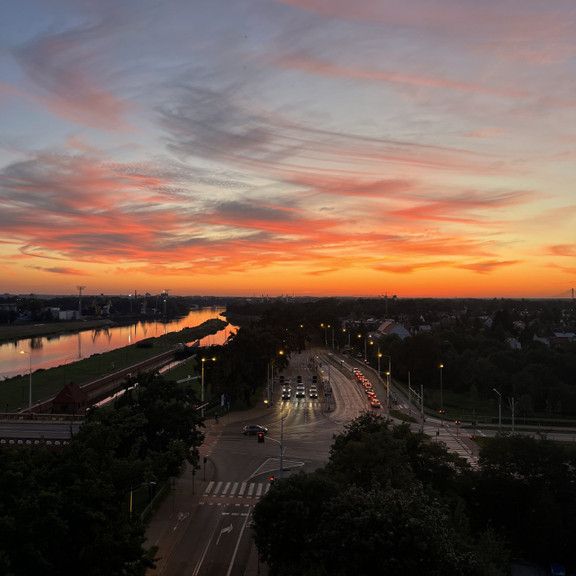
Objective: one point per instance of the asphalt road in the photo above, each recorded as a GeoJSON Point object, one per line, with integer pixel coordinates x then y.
{"type": "Point", "coordinates": [208, 533]}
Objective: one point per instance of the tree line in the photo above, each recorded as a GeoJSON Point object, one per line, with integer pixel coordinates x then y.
{"type": "Point", "coordinates": [71, 511]}
{"type": "Point", "coordinates": [390, 501]}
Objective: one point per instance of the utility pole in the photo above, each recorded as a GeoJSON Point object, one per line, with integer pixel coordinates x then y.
{"type": "Point", "coordinates": [422, 405]}
{"type": "Point", "coordinates": [512, 407]}
{"type": "Point", "coordinates": [499, 409]}
{"type": "Point", "coordinates": [282, 446]}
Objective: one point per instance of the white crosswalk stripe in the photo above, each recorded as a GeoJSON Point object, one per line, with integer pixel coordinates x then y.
{"type": "Point", "coordinates": [236, 489]}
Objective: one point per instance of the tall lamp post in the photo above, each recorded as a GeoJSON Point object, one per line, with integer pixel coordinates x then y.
{"type": "Point", "coordinates": [29, 377]}
{"type": "Point", "coordinates": [441, 390]}
{"type": "Point", "coordinates": [388, 375]}
{"type": "Point", "coordinates": [326, 326]}
{"type": "Point", "coordinates": [499, 409]}
{"type": "Point", "coordinates": [204, 360]}
{"type": "Point", "coordinates": [344, 331]}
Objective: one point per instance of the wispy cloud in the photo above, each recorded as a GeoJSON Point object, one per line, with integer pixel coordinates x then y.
{"type": "Point", "coordinates": [63, 66]}
{"type": "Point", "coordinates": [486, 266]}
{"type": "Point", "coordinates": [315, 66]}
{"type": "Point", "coordinates": [61, 270]}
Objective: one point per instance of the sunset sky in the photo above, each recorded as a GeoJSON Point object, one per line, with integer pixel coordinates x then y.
{"type": "Point", "coordinates": [307, 147]}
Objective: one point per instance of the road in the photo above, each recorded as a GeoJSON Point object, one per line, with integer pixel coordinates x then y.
{"type": "Point", "coordinates": [35, 432]}
{"type": "Point", "coordinates": [204, 529]}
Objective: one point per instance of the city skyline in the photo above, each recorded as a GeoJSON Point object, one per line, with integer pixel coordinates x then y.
{"type": "Point", "coordinates": [299, 147]}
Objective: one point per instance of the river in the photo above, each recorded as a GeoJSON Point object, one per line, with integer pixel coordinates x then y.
{"type": "Point", "coordinates": [49, 351]}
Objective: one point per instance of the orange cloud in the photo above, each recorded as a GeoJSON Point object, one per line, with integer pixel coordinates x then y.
{"type": "Point", "coordinates": [61, 270]}
{"type": "Point", "coordinates": [485, 266]}
{"type": "Point", "coordinates": [568, 250]}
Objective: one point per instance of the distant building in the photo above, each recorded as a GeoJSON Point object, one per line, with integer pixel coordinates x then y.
{"type": "Point", "coordinates": [514, 343]}
{"type": "Point", "coordinates": [68, 315]}
{"type": "Point", "coordinates": [390, 327]}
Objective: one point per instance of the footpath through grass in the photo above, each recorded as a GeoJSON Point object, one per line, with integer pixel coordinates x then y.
{"type": "Point", "coordinates": [47, 383]}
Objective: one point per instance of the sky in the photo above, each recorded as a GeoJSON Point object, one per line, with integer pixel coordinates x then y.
{"type": "Point", "coordinates": [301, 147]}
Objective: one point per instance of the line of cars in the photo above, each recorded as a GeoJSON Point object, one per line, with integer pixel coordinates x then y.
{"type": "Point", "coordinates": [367, 385]}
{"type": "Point", "coordinates": [300, 390]}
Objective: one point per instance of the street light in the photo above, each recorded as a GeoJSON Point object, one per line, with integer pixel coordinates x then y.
{"type": "Point", "coordinates": [441, 390]}
{"type": "Point", "coordinates": [29, 377]}
{"type": "Point", "coordinates": [202, 380]}
{"type": "Point", "coordinates": [499, 409]}
{"type": "Point", "coordinates": [326, 326]}
{"type": "Point", "coordinates": [344, 332]}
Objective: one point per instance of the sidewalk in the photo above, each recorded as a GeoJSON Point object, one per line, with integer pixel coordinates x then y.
{"type": "Point", "coordinates": [176, 511]}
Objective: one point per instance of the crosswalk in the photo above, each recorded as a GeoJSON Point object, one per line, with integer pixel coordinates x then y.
{"type": "Point", "coordinates": [223, 489]}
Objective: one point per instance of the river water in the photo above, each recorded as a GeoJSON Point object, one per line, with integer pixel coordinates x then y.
{"type": "Point", "coordinates": [49, 351]}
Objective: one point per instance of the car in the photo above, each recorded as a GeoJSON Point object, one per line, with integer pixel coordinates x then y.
{"type": "Point", "coordinates": [375, 403]}
{"type": "Point", "coordinates": [313, 393]}
{"type": "Point", "coordinates": [286, 395]}
{"type": "Point", "coordinates": [300, 392]}
{"type": "Point", "coordinates": [253, 429]}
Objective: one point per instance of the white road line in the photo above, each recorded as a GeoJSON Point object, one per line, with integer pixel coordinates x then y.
{"type": "Point", "coordinates": [217, 489]}
{"type": "Point", "coordinates": [250, 489]}
{"type": "Point", "coordinates": [259, 490]}
{"type": "Point", "coordinates": [209, 487]}
{"type": "Point", "coordinates": [226, 488]}
{"type": "Point", "coordinates": [237, 546]}
{"type": "Point", "coordinates": [242, 489]}
{"type": "Point", "coordinates": [234, 488]}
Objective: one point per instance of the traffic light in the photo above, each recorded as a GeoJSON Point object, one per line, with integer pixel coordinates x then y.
{"type": "Point", "coordinates": [260, 436]}
{"type": "Point", "coordinates": [271, 479]}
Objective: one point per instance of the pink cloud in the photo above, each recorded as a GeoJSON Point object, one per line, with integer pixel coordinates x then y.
{"type": "Point", "coordinates": [63, 67]}
{"type": "Point", "coordinates": [315, 66]}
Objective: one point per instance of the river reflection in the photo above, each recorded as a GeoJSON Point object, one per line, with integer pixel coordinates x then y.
{"type": "Point", "coordinates": [54, 350]}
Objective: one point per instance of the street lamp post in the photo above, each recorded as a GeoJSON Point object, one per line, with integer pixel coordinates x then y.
{"type": "Point", "coordinates": [325, 326]}
{"type": "Point", "coordinates": [202, 382]}
{"type": "Point", "coordinates": [499, 409]}
{"type": "Point", "coordinates": [29, 377]}
{"type": "Point", "coordinates": [441, 390]}
{"type": "Point", "coordinates": [379, 356]}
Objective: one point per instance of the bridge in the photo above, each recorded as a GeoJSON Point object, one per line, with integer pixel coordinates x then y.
{"type": "Point", "coordinates": [52, 430]}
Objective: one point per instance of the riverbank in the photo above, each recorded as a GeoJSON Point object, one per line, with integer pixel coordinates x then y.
{"type": "Point", "coordinates": [47, 383]}
{"type": "Point", "coordinates": [16, 332]}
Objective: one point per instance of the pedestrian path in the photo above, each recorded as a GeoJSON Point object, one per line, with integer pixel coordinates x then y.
{"type": "Point", "coordinates": [223, 489]}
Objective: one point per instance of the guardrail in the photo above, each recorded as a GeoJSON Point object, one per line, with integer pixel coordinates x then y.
{"type": "Point", "coordinates": [36, 417]}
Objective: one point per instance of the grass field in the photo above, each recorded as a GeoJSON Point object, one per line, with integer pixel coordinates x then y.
{"type": "Point", "coordinates": [19, 332]}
